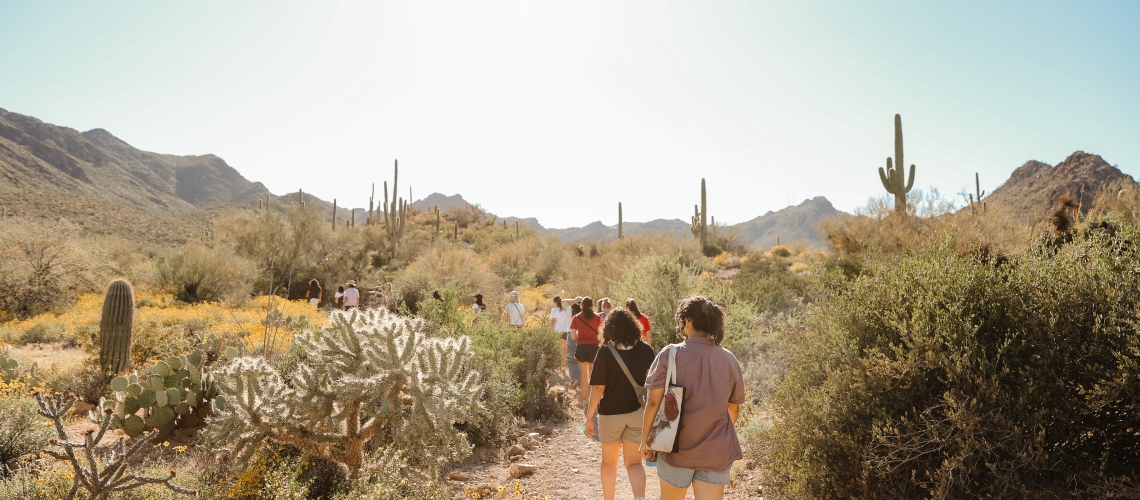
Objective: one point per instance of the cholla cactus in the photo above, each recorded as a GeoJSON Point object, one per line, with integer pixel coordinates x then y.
{"type": "Point", "coordinates": [99, 476]}
{"type": "Point", "coordinates": [366, 375]}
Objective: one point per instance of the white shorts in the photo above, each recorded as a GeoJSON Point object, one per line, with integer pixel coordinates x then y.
{"type": "Point", "coordinates": [315, 302]}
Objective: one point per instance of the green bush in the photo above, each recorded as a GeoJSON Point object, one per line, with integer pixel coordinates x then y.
{"type": "Point", "coordinates": [23, 430]}
{"type": "Point", "coordinates": [521, 356]}
{"type": "Point", "coordinates": [767, 283]}
{"type": "Point", "coordinates": [200, 273]}
{"type": "Point", "coordinates": [950, 376]}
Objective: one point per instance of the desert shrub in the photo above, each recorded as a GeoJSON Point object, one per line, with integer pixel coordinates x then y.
{"type": "Point", "coordinates": [385, 476]}
{"type": "Point", "coordinates": [435, 269]}
{"type": "Point", "coordinates": [521, 356]}
{"type": "Point", "coordinates": [657, 282]}
{"type": "Point", "coordinates": [42, 333]}
{"type": "Point", "coordinates": [769, 284]}
{"type": "Point", "coordinates": [1119, 198]}
{"type": "Point", "coordinates": [280, 244]}
{"type": "Point", "coordinates": [83, 379]}
{"type": "Point", "coordinates": [950, 376]}
{"type": "Point", "coordinates": [198, 273]}
{"type": "Point", "coordinates": [875, 231]}
{"type": "Point", "coordinates": [23, 431]}
{"type": "Point", "coordinates": [42, 267]}
{"type": "Point", "coordinates": [50, 479]}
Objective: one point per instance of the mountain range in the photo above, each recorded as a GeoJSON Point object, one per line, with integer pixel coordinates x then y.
{"type": "Point", "coordinates": [97, 180]}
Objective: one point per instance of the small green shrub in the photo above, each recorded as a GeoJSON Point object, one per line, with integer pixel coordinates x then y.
{"type": "Point", "coordinates": [200, 273]}
{"type": "Point", "coordinates": [43, 333]}
{"type": "Point", "coordinates": [657, 282]}
{"type": "Point", "coordinates": [385, 476]}
{"type": "Point", "coordinates": [23, 430]}
{"type": "Point", "coordinates": [522, 356]}
{"type": "Point", "coordinates": [767, 283]}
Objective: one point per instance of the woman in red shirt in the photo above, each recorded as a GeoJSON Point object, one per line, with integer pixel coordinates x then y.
{"type": "Point", "coordinates": [631, 306]}
{"type": "Point", "coordinates": [584, 328]}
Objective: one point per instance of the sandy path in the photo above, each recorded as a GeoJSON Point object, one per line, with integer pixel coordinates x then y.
{"type": "Point", "coordinates": [568, 468]}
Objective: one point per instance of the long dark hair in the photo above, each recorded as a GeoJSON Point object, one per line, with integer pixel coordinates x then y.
{"type": "Point", "coordinates": [575, 309]}
{"type": "Point", "coordinates": [704, 314]}
{"type": "Point", "coordinates": [558, 302]}
{"type": "Point", "coordinates": [621, 328]}
{"type": "Point", "coordinates": [479, 302]}
{"type": "Point", "coordinates": [588, 309]}
{"type": "Point", "coordinates": [631, 306]}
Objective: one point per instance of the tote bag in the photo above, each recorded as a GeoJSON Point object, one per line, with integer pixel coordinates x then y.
{"type": "Point", "coordinates": [663, 434]}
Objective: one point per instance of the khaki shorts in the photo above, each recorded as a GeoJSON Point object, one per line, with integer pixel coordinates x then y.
{"type": "Point", "coordinates": [614, 428]}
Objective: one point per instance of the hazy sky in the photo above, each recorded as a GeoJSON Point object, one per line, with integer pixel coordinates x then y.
{"type": "Point", "coordinates": [559, 110]}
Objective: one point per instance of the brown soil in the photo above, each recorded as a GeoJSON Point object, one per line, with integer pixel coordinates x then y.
{"type": "Point", "coordinates": [568, 468]}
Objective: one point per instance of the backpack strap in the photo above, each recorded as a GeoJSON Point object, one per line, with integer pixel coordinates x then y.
{"type": "Point", "coordinates": [637, 389]}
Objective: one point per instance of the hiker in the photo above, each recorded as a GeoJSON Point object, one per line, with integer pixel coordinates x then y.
{"type": "Point", "coordinates": [584, 328]}
{"type": "Point", "coordinates": [646, 336]}
{"type": "Point", "coordinates": [514, 311]}
{"type": "Point", "coordinates": [604, 308]}
{"type": "Point", "coordinates": [560, 317]}
{"type": "Point", "coordinates": [479, 306]}
{"type": "Point", "coordinates": [351, 296]}
{"type": "Point", "coordinates": [314, 293]}
{"type": "Point", "coordinates": [339, 298]}
{"type": "Point", "coordinates": [616, 385]}
{"type": "Point", "coordinates": [714, 390]}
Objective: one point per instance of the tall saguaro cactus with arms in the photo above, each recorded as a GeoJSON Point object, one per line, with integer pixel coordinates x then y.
{"type": "Point", "coordinates": [894, 180]}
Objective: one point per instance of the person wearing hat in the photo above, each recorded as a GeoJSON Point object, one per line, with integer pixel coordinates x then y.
{"type": "Point", "coordinates": [514, 312]}
{"type": "Point", "coordinates": [351, 296]}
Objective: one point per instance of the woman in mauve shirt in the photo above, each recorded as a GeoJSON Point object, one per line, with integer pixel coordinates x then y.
{"type": "Point", "coordinates": [714, 390]}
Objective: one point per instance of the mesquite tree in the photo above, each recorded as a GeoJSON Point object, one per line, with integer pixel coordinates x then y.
{"type": "Point", "coordinates": [368, 375]}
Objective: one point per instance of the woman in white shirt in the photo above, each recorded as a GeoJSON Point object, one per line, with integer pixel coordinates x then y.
{"type": "Point", "coordinates": [514, 311]}
{"type": "Point", "coordinates": [560, 318]}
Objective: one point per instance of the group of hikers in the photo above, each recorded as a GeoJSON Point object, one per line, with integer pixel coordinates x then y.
{"type": "Point", "coordinates": [627, 385]}
{"type": "Point", "coordinates": [347, 296]}
{"type": "Point", "coordinates": [675, 409]}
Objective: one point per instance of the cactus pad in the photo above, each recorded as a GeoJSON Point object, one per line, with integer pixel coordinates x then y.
{"type": "Point", "coordinates": [196, 359]}
{"type": "Point", "coordinates": [163, 417]}
{"type": "Point", "coordinates": [231, 353]}
{"type": "Point", "coordinates": [130, 405]}
{"type": "Point", "coordinates": [156, 383]}
{"type": "Point", "coordinates": [174, 362]}
{"type": "Point", "coordinates": [119, 384]}
{"type": "Point", "coordinates": [160, 398]}
{"type": "Point", "coordinates": [220, 403]}
{"type": "Point", "coordinates": [146, 399]}
{"type": "Point", "coordinates": [173, 397]}
{"type": "Point", "coordinates": [134, 389]}
{"type": "Point", "coordinates": [182, 409]}
{"type": "Point", "coordinates": [162, 369]}
{"type": "Point", "coordinates": [132, 425]}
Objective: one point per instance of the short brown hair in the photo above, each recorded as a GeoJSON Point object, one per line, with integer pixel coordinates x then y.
{"type": "Point", "coordinates": [621, 328]}
{"type": "Point", "coordinates": [704, 314]}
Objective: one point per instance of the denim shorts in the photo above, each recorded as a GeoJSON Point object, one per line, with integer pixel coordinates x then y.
{"type": "Point", "coordinates": [683, 478]}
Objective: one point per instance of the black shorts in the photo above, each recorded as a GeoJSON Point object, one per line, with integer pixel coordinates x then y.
{"type": "Point", "coordinates": [586, 352]}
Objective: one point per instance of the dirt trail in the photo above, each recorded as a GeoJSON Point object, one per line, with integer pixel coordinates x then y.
{"type": "Point", "coordinates": [568, 468]}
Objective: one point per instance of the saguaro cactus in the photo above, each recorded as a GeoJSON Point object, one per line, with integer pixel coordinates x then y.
{"type": "Point", "coordinates": [894, 180]}
{"type": "Point", "coordinates": [395, 214]}
{"type": "Point", "coordinates": [334, 215]}
{"type": "Point", "coordinates": [700, 218]}
{"type": "Point", "coordinates": [116, 326]}
{"type": "Point", "coordinates": [620, 235]}
{"type": "Point", "coordinates": [980, 193]}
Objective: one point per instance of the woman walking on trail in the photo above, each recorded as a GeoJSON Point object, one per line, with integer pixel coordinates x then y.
{"type": "Point", "coordinates": [585, 326]}
{"type": "Point", "coordinates": [604, 309]}
{"type": "Point", "coordinates": [314, 293]}
{"type": "Point", "coordinates": [631, 306]}
{"type": "Point", "coordinates": [714, 389]}
{"type": "Point", "coordinates": [619, 373]}
{"type": "Point", "coordinates": [339, 298]}
{"type": "Point", "coordinates": [560, 317]}
{"type": "Point", "coordinates": [514, 312]}
{"type": "Point", "coordinates": [479, 306]}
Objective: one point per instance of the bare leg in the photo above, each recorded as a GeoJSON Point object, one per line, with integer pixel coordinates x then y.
{"type": "Point", "coordinates": [706, 491]}
{"type": "Point", "coordinates": [633, 467]}
{"type": "Point", "coordinates": [609, 468]}
{"type": "Point", "coordinates": [670, 492]}
{"type": "Point", "coordinates": [584, 381]}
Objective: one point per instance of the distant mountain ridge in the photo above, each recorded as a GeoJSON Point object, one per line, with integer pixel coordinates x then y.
{"type": "Point", "coordinates": [1034, 188]}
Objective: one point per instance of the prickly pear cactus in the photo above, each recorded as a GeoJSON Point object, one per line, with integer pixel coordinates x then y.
{"type": "Point", "coordinates": [116, 326]}
{"type": "Point", "coordinates": [169, 393]}
{"type": "Point", "coordinates": [10, 369]}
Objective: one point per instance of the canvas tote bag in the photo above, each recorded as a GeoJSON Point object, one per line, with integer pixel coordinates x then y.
{"type": "Point", "coordinates": [638, 389]}
{"type": "Point", "coordinates": [663, 434]}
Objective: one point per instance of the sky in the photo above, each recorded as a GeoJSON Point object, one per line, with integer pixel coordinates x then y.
{"type": "Point", "coordinates": [559, 110]}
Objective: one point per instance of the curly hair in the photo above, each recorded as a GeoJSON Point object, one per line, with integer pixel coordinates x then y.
{"type": "Point", "coordinates": [704, 314]}
{"type": "Point", "coordinates": [621, 328]}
